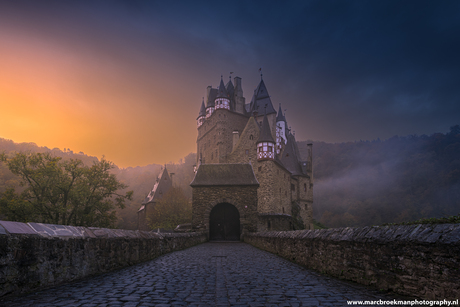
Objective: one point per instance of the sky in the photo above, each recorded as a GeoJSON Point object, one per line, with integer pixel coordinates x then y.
{"type": "Point", "coordinates": [125, 79]}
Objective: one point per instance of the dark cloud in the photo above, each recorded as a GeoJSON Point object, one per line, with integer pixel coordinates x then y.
{"type": "Point", "coordinates": [346, 70]}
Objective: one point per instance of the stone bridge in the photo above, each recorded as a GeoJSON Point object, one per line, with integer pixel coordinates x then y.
{"type": "Point", "coordinates": [65, 264]}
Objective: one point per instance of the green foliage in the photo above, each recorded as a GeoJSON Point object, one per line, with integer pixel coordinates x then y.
{"type": "Point", "coordinates": [172, 209]}
{"type": "Point", "coordinates": [296, 218]}
{"type": "Point", "coordinates": [318, 225]}
{"type": "Point", "coordinates": [65, 192]}
{"type": "Point", "coordinates": [141, 181]}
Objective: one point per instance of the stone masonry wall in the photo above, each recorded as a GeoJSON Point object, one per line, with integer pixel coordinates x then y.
{"type": "Point", "coordinates": [244, 198]}
{"type": "Point", "coordinates": [35, 256]}
{"type": "Point", "coordinates": [422, 261]}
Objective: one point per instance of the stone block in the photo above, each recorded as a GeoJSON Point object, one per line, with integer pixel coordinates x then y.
{"type": "Point", "coordinates": [17, 228]}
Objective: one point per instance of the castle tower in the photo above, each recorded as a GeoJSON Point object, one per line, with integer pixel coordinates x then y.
{"type": "Point", "coordinates": [280, 131]}
{"type": "Point", "coordinates": [222, 100]}
{"type": "Point", "coordinates": [201, 115]}
{"type": "Point", "coordinates": [240, 101]}
{"type": "Point", "coordinates": [265, 143]}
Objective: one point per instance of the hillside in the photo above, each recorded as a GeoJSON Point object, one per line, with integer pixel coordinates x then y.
{"type": "Point", "coordinates": [355, 183]}
{"type": "Point", "coordinates": [139, 179]}
{"type": "Point", "coordinates": [396, 180]}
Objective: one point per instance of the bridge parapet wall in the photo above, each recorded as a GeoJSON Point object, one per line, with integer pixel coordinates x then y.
{"type": "Point", "coordinates": [422, 261]}
{"type": "Point", "coordinates": [34, 256]}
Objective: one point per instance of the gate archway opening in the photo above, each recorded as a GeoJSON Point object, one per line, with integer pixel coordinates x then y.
{"type": "Point", "coordinates": [224, 223]}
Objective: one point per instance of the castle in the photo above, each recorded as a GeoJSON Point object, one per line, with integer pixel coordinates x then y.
{"type": "Point", "coordinates": [248, 166]}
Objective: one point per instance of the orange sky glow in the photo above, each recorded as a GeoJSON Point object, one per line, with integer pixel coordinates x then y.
{"type": "Point", "coordinates": [58, 99]}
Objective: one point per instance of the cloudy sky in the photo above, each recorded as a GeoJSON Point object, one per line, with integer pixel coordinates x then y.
{"type": "Point", "coordinates": [125, 79]}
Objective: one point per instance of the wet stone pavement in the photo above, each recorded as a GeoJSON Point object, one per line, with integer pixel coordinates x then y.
{"type": "Point", "coordinates": [210, 274]}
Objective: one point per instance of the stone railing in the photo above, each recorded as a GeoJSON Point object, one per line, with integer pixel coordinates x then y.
{"type": "Point", "coordinates": [35, 256]}
{"type": "Point", "coordinates": [421, 261]}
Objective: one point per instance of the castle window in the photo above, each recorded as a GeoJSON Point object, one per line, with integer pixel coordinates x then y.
{"type": "Point", "coordinates": [268, 225]}
{"type": "Point", "coordinates": [292, 187]}
{"type": "Point", "coordinates": [283, 209]}
{"type": "Point", "coordinates": [247, 152]}
{"type": "Point", "coordinates": [305, 187]}
{"type": "Point", "coordinates": [260, 168]}
{"type": "Point", "coordinates": [251, 137]}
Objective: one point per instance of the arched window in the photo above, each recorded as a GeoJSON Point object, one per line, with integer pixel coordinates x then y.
{"type": "Point", "coordinates": [251, 137]}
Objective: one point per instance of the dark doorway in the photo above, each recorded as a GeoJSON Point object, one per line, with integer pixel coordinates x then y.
{"type": "Point", "coordinates": [224, 223]}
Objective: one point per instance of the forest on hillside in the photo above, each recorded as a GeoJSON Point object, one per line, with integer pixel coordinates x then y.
{"type": "Point", "coordinates": [355, 183]}
{"type": "Point", "coordinates": [138, 179]}
{"type": "Point", "coordinates": [395, 180]}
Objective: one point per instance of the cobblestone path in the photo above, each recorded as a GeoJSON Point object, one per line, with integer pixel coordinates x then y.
{"type": "Point", "coordinates": [210, 274]}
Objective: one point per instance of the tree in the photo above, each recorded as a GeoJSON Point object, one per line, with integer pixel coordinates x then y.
{"type": "Point", "coordinates": [172, 209]}
{"type": "Point", "coordinates": [62, 192]}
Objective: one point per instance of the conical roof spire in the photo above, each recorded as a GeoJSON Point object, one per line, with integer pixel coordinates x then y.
{"type": "Point", "coordinates": [265, 132]}
{"type": "Point", "coordinates": [202, 110]}
{"type": "Point", "coordinates": [261, 98]}
{"type": "Point", "coordinates": [222, 91]}
{"type": "Point", "coordinates": [280, 117]}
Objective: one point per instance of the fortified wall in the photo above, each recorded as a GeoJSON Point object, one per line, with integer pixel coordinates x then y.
{"type": "Point", "coordinates": [35, 256]}
{"type": "Point", "coordinates": [422, 261]}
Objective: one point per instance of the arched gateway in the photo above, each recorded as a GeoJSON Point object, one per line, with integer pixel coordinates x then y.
{"type": "Point", "coordinates": [224, 201]}
{"type": "Point", "coordinates": [224, 222]}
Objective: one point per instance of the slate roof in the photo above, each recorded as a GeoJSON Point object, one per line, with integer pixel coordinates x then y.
{"type": "Point", "coordinates": [202, 110]}
{"type": "Point", "coordinates": [290, 157]}
{"type": "Point", "coordinates": [280, 117]}
{"type": "Point", "coordinates": [222, 91]}
{"type": "Point", "coordinates": [265, 132]}
{"type": "Point", "coordinates": [211, 97]}
{"type": "Point", "coordinates": [230, 88]}
{"type": "Point", "coordinates": [260, 99]}
{"type": "Point", "coordinates": [224, 174]}
{"type": "Point", "coordinates": [162, 185]}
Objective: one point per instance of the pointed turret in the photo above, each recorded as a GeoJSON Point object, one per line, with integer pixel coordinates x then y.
{"type": "Point", "coordinates": [231, 94]}
{"type": "Point", "coordinates": [260, 99]}
{"type": "Point", "coordinates": [230, 88]}
{"type": "Point", "coordinates": [265, 143]}
{"type": "Point", "coordinates": [202, 115]}
{"type": "Point", "coordinates": [222, 100]}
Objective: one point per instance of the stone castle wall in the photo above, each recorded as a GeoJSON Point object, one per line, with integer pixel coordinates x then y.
{"type": "Point", "coordinates": [422, 261]}
{"type": "Point", "coordinates": [216, 133]}
{"type": "Point", "coordinates": [35, 256]}
{"type": "Point", "coordinates": [244, 198]}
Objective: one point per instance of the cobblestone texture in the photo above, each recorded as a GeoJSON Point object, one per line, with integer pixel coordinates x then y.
{"type": "Point", "coordinates": [210, 274]}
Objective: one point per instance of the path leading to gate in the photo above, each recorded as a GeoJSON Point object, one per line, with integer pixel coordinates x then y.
{"type": "Point", "coordinates": [210, 274]}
